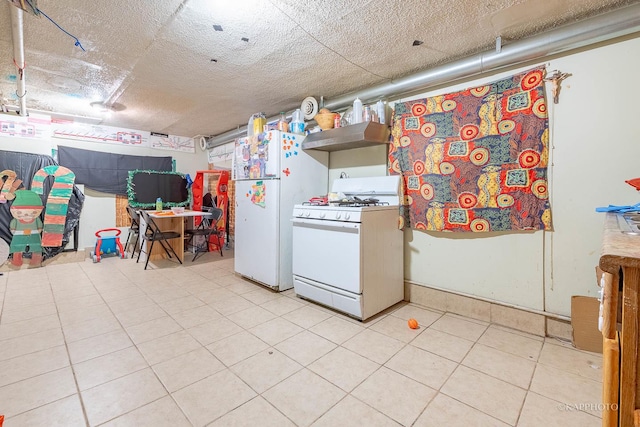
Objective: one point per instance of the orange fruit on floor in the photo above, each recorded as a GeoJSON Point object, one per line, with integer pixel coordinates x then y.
{"type": "Point", "coordinates": [413, 323]}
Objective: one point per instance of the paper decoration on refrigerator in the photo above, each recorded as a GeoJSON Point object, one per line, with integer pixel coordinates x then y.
{"type": "Point", "coordinates": [257, 194]}
{"type": "Point", "coordinates": [55, 214]}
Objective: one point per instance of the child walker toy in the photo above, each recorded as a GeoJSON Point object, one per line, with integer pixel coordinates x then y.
{"type": "Point", "coordinates": [108, 245]}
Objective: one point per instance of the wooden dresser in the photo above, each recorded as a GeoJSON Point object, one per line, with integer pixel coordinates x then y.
{"type": "Point", "coordinates": [620, 260]}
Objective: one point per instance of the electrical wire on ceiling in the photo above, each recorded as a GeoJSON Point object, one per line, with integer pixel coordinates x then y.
{"type": "Point", "coordinates": [20, 68]}
{"type": "Point", "coordinates": [77, 43]}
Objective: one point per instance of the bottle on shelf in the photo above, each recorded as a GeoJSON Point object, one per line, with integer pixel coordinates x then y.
{"type": "Point", "coordinates": [282, 123]}
{"type": "Point", "coordinates": [158, 204]}
{"type": "Point", "coordinates": [250, 126]}
{"type": "Point", "coordinates": [366, 117]}
{"type": "Point", "coordinates": [357, 111]}
{"type": "Point", "coordinates": [297, 122]}
{"type": "Point", "coordinates": [380, 108]}
{"type": "Point", "coordinates": [374, 114]}
{"type": "Point", "coordinates": [259, 120]}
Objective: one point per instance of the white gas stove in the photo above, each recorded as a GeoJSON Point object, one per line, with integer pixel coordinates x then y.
{"type": "Point", "coordinates": [348, 255]}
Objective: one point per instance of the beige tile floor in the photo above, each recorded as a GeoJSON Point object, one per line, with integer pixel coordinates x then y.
{"type": "Point", "coordinates": [84, 344]}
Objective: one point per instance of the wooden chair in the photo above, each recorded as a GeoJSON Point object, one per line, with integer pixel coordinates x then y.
{"type": "Point", "coordinates": [153, 234]}
{"type": "Point", "coordinates": [134, 228]}
{"type": "Point", "coordinates": [207, 229]}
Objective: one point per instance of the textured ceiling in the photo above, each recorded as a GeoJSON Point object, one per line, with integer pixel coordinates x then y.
{"type": "Point", "coordinates": [155, 59]}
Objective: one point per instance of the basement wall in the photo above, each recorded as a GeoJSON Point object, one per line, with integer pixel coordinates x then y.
{"type": "Point", "coordinates": [595, 147]}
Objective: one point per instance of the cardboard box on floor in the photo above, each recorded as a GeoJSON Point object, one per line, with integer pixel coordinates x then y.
{"type": "Point", "coordinates": [584, 320]}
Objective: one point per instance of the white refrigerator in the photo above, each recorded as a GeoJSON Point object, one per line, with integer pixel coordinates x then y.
{"type": "Point", "coordinates": [272, 173]}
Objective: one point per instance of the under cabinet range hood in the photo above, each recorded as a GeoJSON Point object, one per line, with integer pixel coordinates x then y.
{"type": "Point", "coordinates": [365, 134]}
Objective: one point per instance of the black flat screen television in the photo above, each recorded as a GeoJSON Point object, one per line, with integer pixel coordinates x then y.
{"type": "Point", "coordinates": [144, 187]}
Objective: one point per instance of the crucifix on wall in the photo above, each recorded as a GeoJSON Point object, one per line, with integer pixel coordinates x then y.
{"type": "Point", "coordinates": [556, 79]}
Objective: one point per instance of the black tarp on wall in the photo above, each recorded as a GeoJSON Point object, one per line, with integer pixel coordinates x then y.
{"type": "Point", "coordinates": [107, 172]}
{"type": "Point", "coordinates": [25, 165]}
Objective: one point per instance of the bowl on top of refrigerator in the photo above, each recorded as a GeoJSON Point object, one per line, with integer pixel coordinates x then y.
{"type": "Point", "coordinates": [325, 119]}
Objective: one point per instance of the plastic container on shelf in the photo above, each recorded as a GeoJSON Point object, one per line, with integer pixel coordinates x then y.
{"type": "Point", "coordinates": [357, 112]}
{"type": "Point", "coordinates": [297, 127]}
{"type": "Point", "coordinates": [158, 204]}
{"type": "Point", "coordinates": [373, 115]}
{"type": "Point", "coordinates": [282, 123]}
{"type": "Point", "coordinates": [250, 126]}
{"type": "Point", "coordinates": [366, 115]}
{"type": "Point", "coordinates": [380, 108]}
{"type": "Point", "coordinates": [259, 121]}
{"type": "Point", "coordinates": [297, 122]}
{"type": "Point", "coordinates": [297, 116]}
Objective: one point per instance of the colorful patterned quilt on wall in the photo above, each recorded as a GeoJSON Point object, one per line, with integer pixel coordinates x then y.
{"type": "Point", "coordinates": [475, 160]}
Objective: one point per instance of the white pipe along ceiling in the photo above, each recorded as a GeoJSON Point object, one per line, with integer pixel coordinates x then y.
{"type": "Point", "coordinates": [610, 25]}
{"type": "Point", "coordinates": [17, 33]}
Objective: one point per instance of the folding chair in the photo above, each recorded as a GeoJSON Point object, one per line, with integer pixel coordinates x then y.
{"type": "Point", "coordinates": [208, 228]}
{"type": "Point", "coordinates": [134, 228]}
{"type": "Point", "coordinates": [153, 234]}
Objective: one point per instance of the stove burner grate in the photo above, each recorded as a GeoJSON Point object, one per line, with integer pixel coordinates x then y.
{"type": "Point", "coordinates": [358, 202]}
{"type": "Point", "coordinates": [349, 202]}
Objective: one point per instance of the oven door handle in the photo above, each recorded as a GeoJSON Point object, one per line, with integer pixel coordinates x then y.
{"type": "Point", "coordinates": [350, 227]}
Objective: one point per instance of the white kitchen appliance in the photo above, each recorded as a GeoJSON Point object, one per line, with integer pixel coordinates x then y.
{"type": "Point", "coordinates": [348, 255]}
{"type": "Point", "coordinates": [271, 174]}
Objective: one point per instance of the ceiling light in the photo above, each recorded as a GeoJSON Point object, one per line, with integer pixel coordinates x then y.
{"type": "Point", "coordinates": [100, 106]}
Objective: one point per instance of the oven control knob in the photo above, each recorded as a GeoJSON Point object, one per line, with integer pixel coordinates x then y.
{"type": "Point", "coordinates": [307, 214]}
{"type": "Point", "coordinates": [338, 215]}
{"type": "Point", "coordinates": [322, 215]}
{"type": "Point", "coordinates": [347, 216]}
